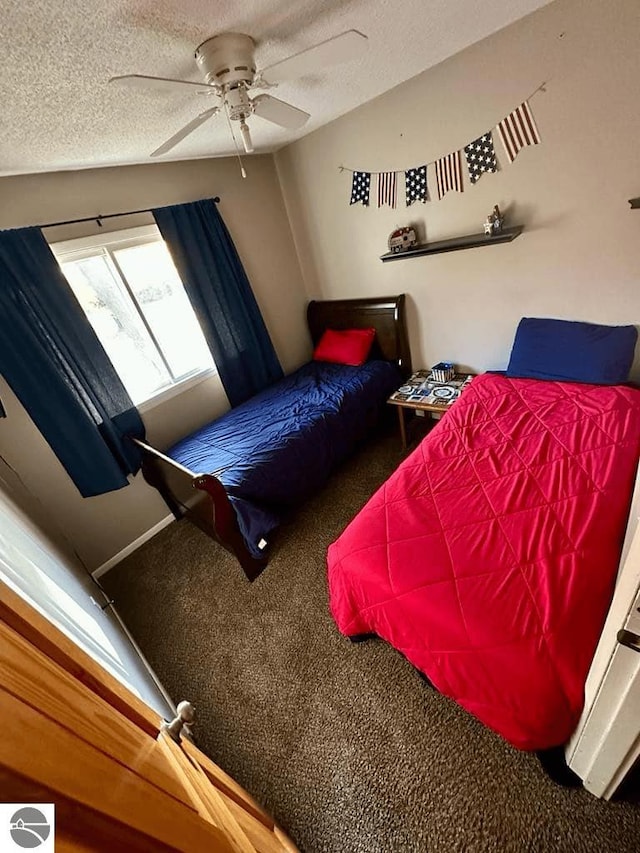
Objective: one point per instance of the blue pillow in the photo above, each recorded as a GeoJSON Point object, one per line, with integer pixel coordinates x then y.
{"type": "Point", "coordinates": [572, 352]}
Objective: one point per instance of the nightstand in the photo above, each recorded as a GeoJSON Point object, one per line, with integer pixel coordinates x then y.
{"type": "Point", "coordinates": [420, 393]}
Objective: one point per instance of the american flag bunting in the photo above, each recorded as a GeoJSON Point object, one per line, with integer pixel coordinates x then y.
{"type": "Point", "coordinates": [387, 189]}
{"type": "Point", "coordinates": [449, 174]}
{"type": "Point", "coordinates": [360, 187]}
{"type": "Point", "coordinates": [481, 157]}
{"type": "Point", "coordinates": [416, 184]}
{"type": "Point", "coordinates": [518, 130]}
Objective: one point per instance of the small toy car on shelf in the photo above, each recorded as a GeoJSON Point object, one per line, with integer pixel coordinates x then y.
{"type": "Point", "coordinates": [402, 239]}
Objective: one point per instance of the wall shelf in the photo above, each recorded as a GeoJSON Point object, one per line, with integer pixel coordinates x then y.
{"type": "Point", "coordinates": [635, 203]}
{"type": "Point", "coordinates": [454, 244]}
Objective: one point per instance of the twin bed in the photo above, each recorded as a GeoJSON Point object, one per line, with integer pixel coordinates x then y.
{"type": "Point", "coordinates": [236, 477]}
{"type": "Point", "coordinates": [489, 556]}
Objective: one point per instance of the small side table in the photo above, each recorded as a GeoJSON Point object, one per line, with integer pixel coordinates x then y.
{"type": "Point", "coordinates": [420, 393]}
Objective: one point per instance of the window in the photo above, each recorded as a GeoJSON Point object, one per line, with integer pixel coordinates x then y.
{"type": "Point", "coordinates": [133, 297]}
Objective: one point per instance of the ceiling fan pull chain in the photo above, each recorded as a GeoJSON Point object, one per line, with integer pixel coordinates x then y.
{"type": "Point", "coordinates": [235, 142]}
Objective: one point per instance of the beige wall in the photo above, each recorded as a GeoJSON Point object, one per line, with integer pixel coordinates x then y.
{"type": "Point", "coordinates": [254, 212]}
{"type": "Point", "coordinates": [578, 257]}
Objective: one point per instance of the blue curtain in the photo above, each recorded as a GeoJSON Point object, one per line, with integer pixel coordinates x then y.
{"type": "Point", "coordinates": [58, 369]}
{"type": "Point", "coordinates": [221, 295]}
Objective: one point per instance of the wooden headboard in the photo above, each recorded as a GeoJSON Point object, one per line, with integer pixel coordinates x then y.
{"type": "Point", "coordinates": [385, 314]}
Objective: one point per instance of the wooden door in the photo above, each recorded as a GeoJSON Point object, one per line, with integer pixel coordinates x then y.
{"type": "Point", "coordinates": [74, 736]}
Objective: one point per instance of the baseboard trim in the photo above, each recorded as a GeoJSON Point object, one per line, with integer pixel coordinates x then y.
{"type": "Point", "coordinates": [132, 546]}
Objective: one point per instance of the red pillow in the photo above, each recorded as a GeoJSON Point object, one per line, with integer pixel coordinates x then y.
{"type": "Point", "coordinates": [350, 346]}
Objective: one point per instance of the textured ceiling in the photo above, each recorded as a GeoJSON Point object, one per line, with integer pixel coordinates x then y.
{"type": "Point", "coordinates": [56, 57]}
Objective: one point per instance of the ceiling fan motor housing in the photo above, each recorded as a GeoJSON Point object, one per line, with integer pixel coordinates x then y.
{"type": "Point", "coordinates": [227, 60]}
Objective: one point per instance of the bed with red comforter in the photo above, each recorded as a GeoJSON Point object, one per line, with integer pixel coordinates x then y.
{"type": "Point", "coordinates": [489, 557]}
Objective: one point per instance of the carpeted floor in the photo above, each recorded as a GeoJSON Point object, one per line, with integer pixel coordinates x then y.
{"type": "Point", "coordinates": [344, 743]}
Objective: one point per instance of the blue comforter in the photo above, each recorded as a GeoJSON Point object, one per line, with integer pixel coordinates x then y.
{"type": "Point", "coordinates": [279, 447]}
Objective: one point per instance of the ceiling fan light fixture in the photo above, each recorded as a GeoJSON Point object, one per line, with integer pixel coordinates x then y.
{"type": "Point", "coordinates": [246, 137]}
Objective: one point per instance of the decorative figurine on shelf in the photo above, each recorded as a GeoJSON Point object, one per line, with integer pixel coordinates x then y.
{"type": "Point", "coordinates": [494, 222]}
{"type": "Point", "coordinates": [402, 239]}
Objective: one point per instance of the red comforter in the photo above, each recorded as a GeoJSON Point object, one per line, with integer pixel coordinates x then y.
{"type": "Point", "coordinates": [489, 557]}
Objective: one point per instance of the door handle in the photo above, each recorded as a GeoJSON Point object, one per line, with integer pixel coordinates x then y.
{"type": "Point", "coordinates": [629, 639]}
{"type": "Point", "coordinates": [185, 717]}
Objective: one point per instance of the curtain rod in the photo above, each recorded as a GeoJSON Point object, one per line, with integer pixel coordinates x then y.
{"type": "Point", "coordinates": [98, 219]}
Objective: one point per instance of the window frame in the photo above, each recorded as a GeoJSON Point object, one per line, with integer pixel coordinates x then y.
{"type": "Point", "coordinates": [80, 248]}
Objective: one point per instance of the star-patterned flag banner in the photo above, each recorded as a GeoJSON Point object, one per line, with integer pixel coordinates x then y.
{"type": "Point", "coordinates": [416, 184]}
{"type": "Point", "coordinates": [449, 174]}
{"type": "Point", "coordinates": [360, 187]}
{"type": "Point", "coordinates": [518, 130]}
{"type": "Point", "coordinates": [481, 156]}
{"type": "Point", "coordinates": [387, 189]}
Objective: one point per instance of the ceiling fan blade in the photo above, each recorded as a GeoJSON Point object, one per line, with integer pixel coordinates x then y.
{"type": "Point", "coordinates": [279, 112]}
{"type": "Point", "coordinates": [341, 48]}
{"type": "Point", "coordinates": [160, 83]}
{"type": "Point", "coordinates": [185, 131]}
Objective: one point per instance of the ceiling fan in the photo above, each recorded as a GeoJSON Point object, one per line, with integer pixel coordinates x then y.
{"type": "Point", "coordinates": [228, 66]}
